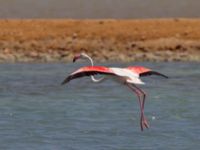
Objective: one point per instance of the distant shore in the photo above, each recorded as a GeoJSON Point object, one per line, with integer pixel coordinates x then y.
{"type": "Point", "coordinates": [51, 40]}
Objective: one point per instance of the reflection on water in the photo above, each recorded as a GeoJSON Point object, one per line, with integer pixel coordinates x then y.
{"type": "Point", "coordinates": [37, 113]}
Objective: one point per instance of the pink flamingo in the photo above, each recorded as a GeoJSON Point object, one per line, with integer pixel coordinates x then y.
{"type": "Point", "coordinates": [129, 76]}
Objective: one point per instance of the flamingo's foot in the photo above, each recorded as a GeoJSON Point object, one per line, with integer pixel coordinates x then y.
{"type": "Point", "coordinates": [143, 123]}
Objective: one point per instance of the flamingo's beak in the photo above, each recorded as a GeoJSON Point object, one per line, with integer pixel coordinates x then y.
{"type": "Point", "coordinates": [76, 57]}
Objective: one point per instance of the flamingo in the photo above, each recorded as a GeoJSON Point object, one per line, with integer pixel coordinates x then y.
{"type": "Point", "coordinates": [129, 76]}
{"type": "Point", "coordinates": [85, 56]}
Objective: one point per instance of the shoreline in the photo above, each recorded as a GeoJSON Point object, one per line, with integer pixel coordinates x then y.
{"type": "Point", "coordinates": [58, 40]}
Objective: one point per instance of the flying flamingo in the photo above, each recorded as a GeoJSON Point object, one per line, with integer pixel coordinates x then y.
{"type": "Point", "coordinates": [129, 76]}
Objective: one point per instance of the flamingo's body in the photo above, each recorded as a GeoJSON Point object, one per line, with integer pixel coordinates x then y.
{"type": "Point", "coordinates": [129, 76]}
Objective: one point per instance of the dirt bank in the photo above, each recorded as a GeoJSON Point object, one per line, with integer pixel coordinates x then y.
{"type": "Point", "coordinates": [104, 40]}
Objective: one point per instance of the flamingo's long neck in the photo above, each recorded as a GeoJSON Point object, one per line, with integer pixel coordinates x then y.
{"type": "Point", "coordinates": [92, 64]}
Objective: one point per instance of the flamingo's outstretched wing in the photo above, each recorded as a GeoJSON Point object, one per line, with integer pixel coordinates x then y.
{"type": "Point", "coordinates": [88, 71]}
{"type": "Point", "coordinates": [143, 71]}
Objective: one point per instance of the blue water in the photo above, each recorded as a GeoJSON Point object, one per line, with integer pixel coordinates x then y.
{"type": "Point", "coordinates": [37, 113]}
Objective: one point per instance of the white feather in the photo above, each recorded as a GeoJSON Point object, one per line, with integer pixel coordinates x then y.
{"type": "Point", "coordinates": [130, 76]}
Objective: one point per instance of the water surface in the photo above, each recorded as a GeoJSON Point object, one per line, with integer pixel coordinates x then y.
{"type": "Point", "coordinates": [37, 113]}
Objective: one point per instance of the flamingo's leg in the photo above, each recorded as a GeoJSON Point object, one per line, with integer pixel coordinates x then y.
{"type": "Point", "coordinates": [143, 94]}
{"type": "Point", "coordinates": [139, 93]}
{"type": "Point", "coordinates": [143, 102]}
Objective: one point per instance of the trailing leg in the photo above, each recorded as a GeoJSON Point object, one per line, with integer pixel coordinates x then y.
{"type": "Point", "coordinates": [141, 99]}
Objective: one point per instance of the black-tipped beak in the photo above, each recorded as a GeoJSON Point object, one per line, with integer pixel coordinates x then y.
{"type": "Point", "coordinates": [75, 58]}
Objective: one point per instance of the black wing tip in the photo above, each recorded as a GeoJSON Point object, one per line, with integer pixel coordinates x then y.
{"type": "Point", "coordinates": [167, 77]}
{"type": "Point", "coordinates": [160, 74]}
{"type": "Point", "coordinates": [154, 73]}
{"type": "Point", "coordinates": [62, 83]}
{"type": "Point", "coordinates": [65, 81]}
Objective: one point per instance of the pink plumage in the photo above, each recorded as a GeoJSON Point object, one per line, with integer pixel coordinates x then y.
{"type": "Point", "coordinates": [129, 76]}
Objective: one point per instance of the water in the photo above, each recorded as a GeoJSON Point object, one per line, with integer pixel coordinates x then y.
{"type": "Point", "coordinates": [37, 113]}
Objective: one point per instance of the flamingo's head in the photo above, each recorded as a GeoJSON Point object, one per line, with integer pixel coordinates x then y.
{"type": "Point", "coordinates": [80, 56]}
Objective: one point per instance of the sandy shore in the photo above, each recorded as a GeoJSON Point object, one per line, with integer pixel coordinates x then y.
{"type": "Point", "coordinates": [105, 40]}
